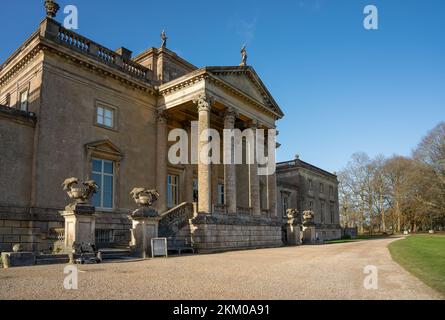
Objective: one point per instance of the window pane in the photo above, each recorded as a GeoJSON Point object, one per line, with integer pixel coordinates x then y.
{"type": "Point", "coordinates": [100, 111]}
{"type": "Point", "coordinates": [108, 192]}
{"type": "Point", "coordinates": [97, 196]}
{"type": "Point", "coordinates": [108, 200]}
{"type": "Point", "coordinates": [108, 167]}
{"type": "Point", "coordinates": [108, 122]}
{"type": "Point", "coordinates": [97, 167]}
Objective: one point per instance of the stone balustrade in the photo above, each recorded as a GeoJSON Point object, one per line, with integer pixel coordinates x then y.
{"type": "Point", "coordinates": [52, 30]}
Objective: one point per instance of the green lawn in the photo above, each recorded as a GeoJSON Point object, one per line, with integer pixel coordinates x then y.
{"type": "Point", "coordinates": [424, 257]}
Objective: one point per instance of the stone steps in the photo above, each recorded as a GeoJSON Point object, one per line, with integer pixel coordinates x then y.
{"type": "Point", "coordinates": [115, 253]}
{"type": "Point", "coordinates": [52, 259]}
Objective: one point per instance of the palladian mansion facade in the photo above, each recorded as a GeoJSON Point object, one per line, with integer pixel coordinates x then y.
{"type": "Point", "coordinates": [70, 107]}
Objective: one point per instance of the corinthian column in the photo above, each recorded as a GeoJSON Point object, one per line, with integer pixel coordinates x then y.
{"type": "Point", "coordinates": [161, 161]}
{"type": "Point", "coordinates": [203, 103]}
{"type": "Point", "coordinates": [229, 168]}
{"type": "Point", "coordinates": [254, 180]}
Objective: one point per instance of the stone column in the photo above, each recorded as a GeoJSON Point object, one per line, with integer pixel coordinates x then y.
{"type": "Point", "coordinates": [161, 161]}
{"type": "Point", "coordinates": [254, 179]}
{"type": "Point", "coordinates": [272, 194]}
{"type": "Point", "coordinates": [230, 169]}
{"type": "Point", "coordinates": [188, 175]}
{"type": "Point", "coordinates": [203, 103]}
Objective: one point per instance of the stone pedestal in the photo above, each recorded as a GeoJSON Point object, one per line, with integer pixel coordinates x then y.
{"type": "Point", "coordinates": [293, 233]}
{"type": "Point", "coordinates": [80, 225]}
{"type": "Point", "coordinates": [145, 227]}
{"type": "Point", "coordinates": [309, 235]}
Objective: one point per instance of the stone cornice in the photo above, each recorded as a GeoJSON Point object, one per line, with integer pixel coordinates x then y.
{"type": "Point", "coordinates": [22, 117]}
{"type": "Point", "coordinates": [204, 74]}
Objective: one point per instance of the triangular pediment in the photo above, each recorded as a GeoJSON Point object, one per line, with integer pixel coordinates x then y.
{"type": "Point", "coordinates": [104, 146]}
{"type": "Point", "coordinates": [246, 80]}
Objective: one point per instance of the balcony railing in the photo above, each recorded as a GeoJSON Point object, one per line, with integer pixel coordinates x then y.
{"type": "Point", "coordinates": [53, 30]}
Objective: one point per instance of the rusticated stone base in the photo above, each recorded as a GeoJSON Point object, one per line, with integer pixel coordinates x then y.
{"type": "Point", "coordinates": [216, 233]}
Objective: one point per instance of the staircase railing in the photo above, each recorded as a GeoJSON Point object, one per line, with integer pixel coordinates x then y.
{"type": "Point", "coordinates": [175, 219]}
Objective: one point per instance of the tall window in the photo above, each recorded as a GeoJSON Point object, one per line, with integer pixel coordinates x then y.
{"type": "Point", "coordinates": [332, 214]}
{"type": "Point", "coordinates": [322, 211]}
{"type": "Point", "coordinates": [172, 190]}
{"type": "Point", "coordinates": [8, 100]}
{"type": "Point", "coordinates": [105, 116]}
{"type": "Point", "coordinates": [285, 203]}
{"type": "Point", "coordinates": [103, 175]}
{"type": "Point", "coordinates": [310, 185]}
{"type": "Point", "coordinates": [220, 193]}
{"type": "Point", "coordinates": [321, 188]}
{"type": "Point", "coordinates": [195, 190]}
{"type": "Point", "coordinates": [331, 191]}
{"type": "Point", "coordinates": [311, 205]}
{"type": "Point", "coordinates": [24, 100]}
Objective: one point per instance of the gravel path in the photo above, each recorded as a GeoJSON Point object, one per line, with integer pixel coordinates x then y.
{"type": "Point", "coordinates": [308, 272]}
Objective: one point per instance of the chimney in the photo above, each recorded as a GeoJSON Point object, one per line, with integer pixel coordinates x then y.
{"type": "Point", "coordinates": [125, 53]}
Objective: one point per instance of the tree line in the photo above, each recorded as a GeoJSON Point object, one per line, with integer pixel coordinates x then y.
{"type": "Point", "coordinates": [396, 194]}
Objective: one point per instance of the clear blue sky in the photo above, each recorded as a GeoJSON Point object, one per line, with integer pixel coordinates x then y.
{"type": "Point", "coordinates": [343, 88]}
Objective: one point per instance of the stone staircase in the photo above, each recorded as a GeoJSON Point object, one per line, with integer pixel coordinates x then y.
{"type": "Point", "coordinates": [175, 225]}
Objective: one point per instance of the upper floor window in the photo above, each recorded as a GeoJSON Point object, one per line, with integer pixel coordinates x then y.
{"type": "Point", "coordinates": [310, 185]}
{"type": "Point", "coordinates": [24, 100]}
{"type": "Point", "coordinates": [331, 191]}
{"type": "Point", "coordinates": [311, 205]}
{"type": "Point", "coordinates": [220, 193]}
{"type": "Point", "coordinates": [105, 116]}
{"type": "Point", "coordinates": [172, 190]}
{"type": "Point", "coordinates": [103, 175]}
{"type": "Point", "coordinates": [321, 187]}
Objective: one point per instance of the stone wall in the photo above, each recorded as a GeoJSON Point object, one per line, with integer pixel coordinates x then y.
{"type": "Point", "coordinates": [222, 233]}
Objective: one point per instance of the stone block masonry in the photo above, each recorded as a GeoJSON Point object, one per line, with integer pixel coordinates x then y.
{"type": "Point", "coordinates": [213, 233]}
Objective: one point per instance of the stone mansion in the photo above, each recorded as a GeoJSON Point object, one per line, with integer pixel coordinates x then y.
{"type": "Point", "coordinates": [69, 107]}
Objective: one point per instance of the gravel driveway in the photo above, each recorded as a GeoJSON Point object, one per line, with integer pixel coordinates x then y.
{"type": "Point", "coordinates": [307, 272]}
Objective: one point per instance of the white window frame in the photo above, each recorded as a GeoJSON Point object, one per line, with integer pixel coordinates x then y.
{"type": "Point", "coordinates": [23, 104]}
{"type": "Point", "coordinates": [100, 116]}
{"type": "Point", "coordinates": [102, 175]}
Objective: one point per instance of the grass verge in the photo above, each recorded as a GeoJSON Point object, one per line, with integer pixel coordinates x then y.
{"type": "Point", "coordinates": [424, 257]}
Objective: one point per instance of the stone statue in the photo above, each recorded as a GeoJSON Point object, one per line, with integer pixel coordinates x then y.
{"type": "Point", "coordinates": [144, 197]}
{"type": "Point", "coordinates": [51, 8]}
{"type": "Point", "coordinates": [164, 39]}
{"type": "Point", "coordinates": [80, 195]}
{"type": "Point", "coordinates": [308, 218]}
{"type": "Point", "coordinates": [243, 56]}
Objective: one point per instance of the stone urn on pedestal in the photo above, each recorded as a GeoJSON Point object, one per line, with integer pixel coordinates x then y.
{"type": "Point", "coordinates": [80, 218]}
{"type": "Point", "coordinates": [145, 221]}
{"type": "Point", "coordinates": [293, 227]}
{"type": "Point", "coordinates": [309, 235]}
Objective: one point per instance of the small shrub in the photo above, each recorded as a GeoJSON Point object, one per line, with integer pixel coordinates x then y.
{"type": "Point", "coordinates": [346, 237]}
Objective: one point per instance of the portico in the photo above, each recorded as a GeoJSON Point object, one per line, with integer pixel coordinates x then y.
{"type": "Point", "coordinates": [208, 97]}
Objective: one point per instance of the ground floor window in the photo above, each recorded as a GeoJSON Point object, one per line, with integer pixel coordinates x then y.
{"type": "Point", "coordinates": [195, 190]}
{"type": "Point", "coordinates": [285, 203]}
{"type": "Point", "coordinates": [322, 211]}
{"type": "Point", "coordinates": [172, 190]}
{"type": "Point", "coordinates": [332, 213]}
{"type": "Point", "coordinates": [220, 193]}
{"type": "Point", "coordinates": [103, 175]}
